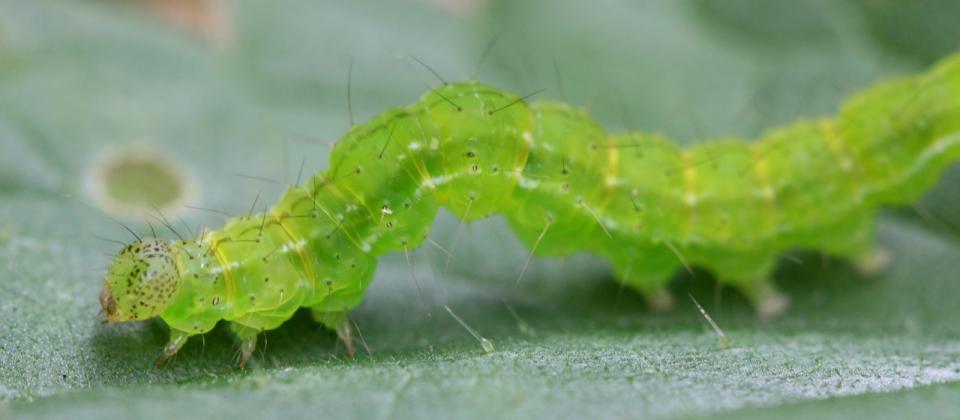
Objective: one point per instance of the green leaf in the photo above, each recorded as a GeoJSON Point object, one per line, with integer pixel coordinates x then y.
{"type": "Point", "coordinates": [80, 79]}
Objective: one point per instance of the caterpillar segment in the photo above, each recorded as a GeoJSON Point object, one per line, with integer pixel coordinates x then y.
{"type": "Point", "coordinates": [649, 207]}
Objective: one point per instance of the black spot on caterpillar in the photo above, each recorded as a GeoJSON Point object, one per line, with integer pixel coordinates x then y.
{"type": "Point", "coordinates": [565, 186]}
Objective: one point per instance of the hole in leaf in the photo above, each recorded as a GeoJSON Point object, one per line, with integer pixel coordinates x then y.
{"type": "Point", "coordinates": [135, 183]}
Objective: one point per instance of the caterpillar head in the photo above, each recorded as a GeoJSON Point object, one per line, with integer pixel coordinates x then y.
{"type": "Point", "coordinates": [141, 281]}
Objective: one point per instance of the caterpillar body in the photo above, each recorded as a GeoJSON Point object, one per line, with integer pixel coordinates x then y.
{"type": "Point", "coordinates": [636, 199]}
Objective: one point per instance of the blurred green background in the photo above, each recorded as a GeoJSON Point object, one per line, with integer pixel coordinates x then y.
{"type": "Point", "coordinates": [235, 90]}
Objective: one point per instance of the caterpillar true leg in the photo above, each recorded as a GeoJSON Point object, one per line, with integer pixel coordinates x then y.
{"type": "Point", "coordinates": [337, 321]}
{"type": "Point", "coordinates": [250, 325]}
{"type": "Point", "coordinates": [177, 340]}
{"type": "Point", "coordinates": [345, 334]}
{"type": "Point", "coordinates": [248, 341]}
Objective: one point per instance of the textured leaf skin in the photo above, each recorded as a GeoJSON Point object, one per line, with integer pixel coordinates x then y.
{"type": "Point", "coordinates": [648, 206]}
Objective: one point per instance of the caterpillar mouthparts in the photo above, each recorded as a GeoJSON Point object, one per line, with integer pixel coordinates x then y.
{"type": "Point", "coordinates": [564, 185]}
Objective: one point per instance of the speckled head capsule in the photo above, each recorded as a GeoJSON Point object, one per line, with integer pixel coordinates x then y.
{"type": "Point", "coordinates": [141, 281]}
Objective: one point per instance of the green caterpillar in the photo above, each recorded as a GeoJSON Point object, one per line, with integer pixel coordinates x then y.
{"type": "Point", "coordinates": [636, 199]}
